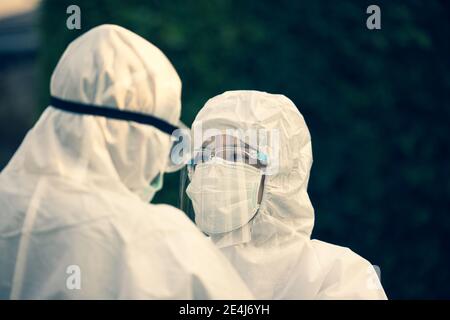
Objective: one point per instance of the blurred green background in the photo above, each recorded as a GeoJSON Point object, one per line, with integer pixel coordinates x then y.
{"type": "Point", "coordinates": [377, 104]}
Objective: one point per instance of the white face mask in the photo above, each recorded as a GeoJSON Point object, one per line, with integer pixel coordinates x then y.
{"type": "Point", "coordinates": [224, 195]}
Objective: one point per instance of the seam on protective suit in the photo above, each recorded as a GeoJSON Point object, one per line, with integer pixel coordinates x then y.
{"type": "Point", "coordinates": [22, 251]}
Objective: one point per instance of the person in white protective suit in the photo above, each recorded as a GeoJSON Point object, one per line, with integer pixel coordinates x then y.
{"type": "Point", "coordinates": [259, 212]}
{"type": "Point", "coordinates": [75, 217]}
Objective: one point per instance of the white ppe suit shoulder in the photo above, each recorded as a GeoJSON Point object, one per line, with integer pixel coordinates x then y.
{"type": "Point", "coordinates": [273, 252]}
{"type": "Point", "coordinates": [73, 223]}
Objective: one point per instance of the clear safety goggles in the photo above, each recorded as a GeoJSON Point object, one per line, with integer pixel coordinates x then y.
{"type": "Point", "coordinates": [236, 153]}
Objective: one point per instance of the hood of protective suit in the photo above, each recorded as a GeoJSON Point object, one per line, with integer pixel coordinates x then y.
{"type": "Point", "coordinates": [285, 209]}
{"type": "Point", "coordinates": [107, 66]}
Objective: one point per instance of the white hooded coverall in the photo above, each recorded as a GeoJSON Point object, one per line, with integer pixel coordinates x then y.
{"type": "Point", "coordinates": [73, 223]}
{"type": "Point", "coordinates": [273, 253]}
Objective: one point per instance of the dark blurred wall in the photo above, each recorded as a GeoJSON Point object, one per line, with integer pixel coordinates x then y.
{"type": "Point", "coordinates": [19, 72]}
{"type": "Point", "coordinates": [377, 105]}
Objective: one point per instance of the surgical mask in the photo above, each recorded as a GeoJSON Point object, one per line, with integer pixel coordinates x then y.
{"type": "Point", "coordinates": [224, 195]}
{"type": "Point", "coordinates": [149, 192]}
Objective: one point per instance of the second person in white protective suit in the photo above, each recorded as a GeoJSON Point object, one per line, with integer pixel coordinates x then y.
{"type": "Point", "coordinates": [250, 196]}
{"type": "Point", "coordinates": [75, 222]}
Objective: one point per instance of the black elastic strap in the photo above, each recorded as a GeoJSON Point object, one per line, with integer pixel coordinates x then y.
{"type": "Point", "coordinates": [112, 113]}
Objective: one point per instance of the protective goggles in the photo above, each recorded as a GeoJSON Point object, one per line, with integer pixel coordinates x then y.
{"type": "Point", "coordinates": [177, 133]}
{"type": "Point", "coordinates": [236, 153]}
